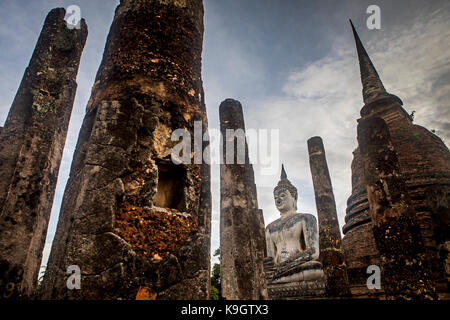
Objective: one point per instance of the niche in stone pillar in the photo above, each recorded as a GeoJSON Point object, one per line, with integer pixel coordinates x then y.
{"type": "Point", "coordinates": [170, 189]}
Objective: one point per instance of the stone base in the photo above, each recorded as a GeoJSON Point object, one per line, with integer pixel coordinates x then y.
{"type": "Point", "coordinates": [314, 289]}
{"type": "Point", "coordinates": [303, 281]}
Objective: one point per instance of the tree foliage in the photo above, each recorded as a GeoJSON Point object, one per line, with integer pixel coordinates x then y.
{"type": "Point", "coordinates": [215, 278]}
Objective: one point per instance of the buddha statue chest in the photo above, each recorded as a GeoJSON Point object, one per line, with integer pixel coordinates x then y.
{"type": "Point", "coordinates": [288, 236]}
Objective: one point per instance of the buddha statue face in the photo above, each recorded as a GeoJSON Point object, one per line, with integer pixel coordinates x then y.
{"type": "Point", "coordinates": [284, 201]}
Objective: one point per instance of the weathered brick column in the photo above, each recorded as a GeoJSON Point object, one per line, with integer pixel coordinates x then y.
{"type": "Point", "coordinates": [31, 147]}
{"type": "Point", "coordinates": [242, 237]}
{"type": "Point", "coordinates": [406, 272]}
{"type": "Point", "coordinates": [136, 223]}
{"type": "Point", "coordinates": [330, 243]}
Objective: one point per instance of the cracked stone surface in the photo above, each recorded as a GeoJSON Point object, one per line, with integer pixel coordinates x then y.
{"type": "Point", "coordinates": [137, 225]}
{"type": "Point", "coordinates": [406, 267]}
{"type": "Point", "coordinates": [31, 147]}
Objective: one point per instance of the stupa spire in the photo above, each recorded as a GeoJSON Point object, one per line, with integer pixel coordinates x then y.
{"type": "Point", "coordinates": [372, 86]}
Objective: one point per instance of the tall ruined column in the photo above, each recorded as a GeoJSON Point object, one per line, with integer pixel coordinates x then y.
{"type": "Point", "coordinates": [242, 239]}
{"type": "Point", "coordinates": [330, 244]}
{"type": "Point", "coordinates": [406, 272]}
{"type": "Point", "coordinates": [31, 147]}
{"type": "Point", "coordinates": [136, 223]}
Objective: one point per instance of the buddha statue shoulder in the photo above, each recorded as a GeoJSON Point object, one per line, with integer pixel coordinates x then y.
{"type": "Point", "coordinates": [292, 240]}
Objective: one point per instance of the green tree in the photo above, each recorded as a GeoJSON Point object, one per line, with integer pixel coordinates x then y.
{"type": "Point", "coordinates": [215, 279]}
{"type": "Point", "coordinates": [215, 276]}
{"type": "Point", "coordinates": [214, 293]}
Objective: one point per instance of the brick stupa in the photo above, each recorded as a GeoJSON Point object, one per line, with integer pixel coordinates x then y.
{"type": "Point", "coordinates": [424, 162]}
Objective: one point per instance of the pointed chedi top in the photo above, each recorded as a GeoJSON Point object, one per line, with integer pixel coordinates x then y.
{"type": "Point", "coordinates": [372, 86]}
{"type": "Point", "coordinates": [283, 173]}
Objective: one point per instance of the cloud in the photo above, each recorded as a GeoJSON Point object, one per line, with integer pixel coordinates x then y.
{"type": "Point", "coordinates": [416, 67]}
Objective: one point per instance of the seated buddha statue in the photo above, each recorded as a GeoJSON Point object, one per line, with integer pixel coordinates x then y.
{"type": "Point", "coordinates": [292, 240]}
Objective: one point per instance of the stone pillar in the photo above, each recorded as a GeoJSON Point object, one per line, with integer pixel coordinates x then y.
{"type": "Point", "coordinates": [242, 237]}
{"type": "Point", "coordinates": [406, 273]}
{"type": "Point", "coordinates": [330, 243]}
{"type": "Point", "coordinates": [262, 230]}
{"type": "Point", "coordinates": [135, 216]}
{"type": "Point", "coordinates": [31, 147]}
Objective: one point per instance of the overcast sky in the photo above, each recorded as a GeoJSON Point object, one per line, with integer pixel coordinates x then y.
{"type": "Point", "coordinates": [291, 63]}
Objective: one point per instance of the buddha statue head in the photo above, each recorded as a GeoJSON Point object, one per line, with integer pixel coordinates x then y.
{"type": "Point", "coordinates": [285, 195]}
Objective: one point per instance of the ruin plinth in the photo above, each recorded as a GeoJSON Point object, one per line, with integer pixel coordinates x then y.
{"type": "Point", "coordinates": [135, 222]}
{"type": "Point", "coordinates": [31, 146]}
{"type": "Point", "coordinates": [424, 161]}
{"type": "Point", "coordinates": [242, 239]}
{"type": "Point", "coordinates": [330, 243]}
{"type": "Point", "coordinates": [405, 266]}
